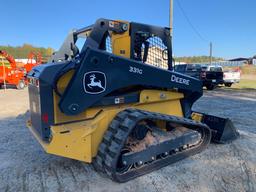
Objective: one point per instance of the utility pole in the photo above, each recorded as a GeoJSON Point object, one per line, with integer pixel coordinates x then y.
{"type": "Point", "coordinates": [171, 31]}
{"type": "Point", "coordinates": [171, 17]}
{"type": "Point", "coordinates": [210, 53]}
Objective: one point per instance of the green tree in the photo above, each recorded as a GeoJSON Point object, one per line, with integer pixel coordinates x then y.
{"type": "Point", "coordinates": [197, 59]}
{"type": "Point", "coordinates": [25, 49]}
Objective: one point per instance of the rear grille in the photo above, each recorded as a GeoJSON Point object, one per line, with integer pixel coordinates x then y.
{"type": "Point", "coordinates": [35, 108]}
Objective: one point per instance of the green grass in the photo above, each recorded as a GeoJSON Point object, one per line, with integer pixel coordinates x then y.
{"type": "Point", "coordinates": [249, 70]}
{"type": "Point", "coordinates": [245, 84]}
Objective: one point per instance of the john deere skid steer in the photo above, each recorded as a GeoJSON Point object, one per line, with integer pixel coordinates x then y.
{"type": "Point", "coordinates": [117, 103]}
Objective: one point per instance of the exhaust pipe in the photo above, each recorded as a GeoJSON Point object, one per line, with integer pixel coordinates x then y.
{"type": "Point", "coordinates": [223, 130]}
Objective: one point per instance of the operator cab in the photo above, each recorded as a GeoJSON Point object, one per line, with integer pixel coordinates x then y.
{"type": "Point", "coordinates": [147, 44]}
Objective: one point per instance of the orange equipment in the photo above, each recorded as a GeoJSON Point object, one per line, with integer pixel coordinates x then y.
{"type": "Point", "coordinates": [11, 75]}
{"type": "Point", "coordinates": [15, 75]}
{"type": "Point", "coordinates": [31, 56]}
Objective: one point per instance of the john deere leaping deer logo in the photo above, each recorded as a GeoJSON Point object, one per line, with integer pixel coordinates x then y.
{"type": "Point", "coordinates": [94, 82]}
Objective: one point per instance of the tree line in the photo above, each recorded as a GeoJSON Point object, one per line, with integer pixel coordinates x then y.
{"type": "Point", "coordinates": [197, 59]}
{"type": "Point", "coordinates": [25, 49]}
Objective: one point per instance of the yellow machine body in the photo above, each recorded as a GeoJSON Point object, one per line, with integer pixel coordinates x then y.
{"type": "Point", "coordinates": [121, 43]}
{"type": "Point", "coordinates": [80, 139]}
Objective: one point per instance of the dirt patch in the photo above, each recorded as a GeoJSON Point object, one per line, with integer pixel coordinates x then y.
{"type": "Point", "coordinates": [232, 167]}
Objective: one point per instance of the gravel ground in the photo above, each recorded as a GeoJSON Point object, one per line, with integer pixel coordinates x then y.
{"type": "Point", "coordinates": [24, 166]}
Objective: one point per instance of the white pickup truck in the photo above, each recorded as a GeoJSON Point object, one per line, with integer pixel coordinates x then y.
{"type": "Point", "coordinates": [230, 77]}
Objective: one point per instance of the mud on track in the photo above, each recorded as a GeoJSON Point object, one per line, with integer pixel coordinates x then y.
{"type": "Point", "coordinates": [24, 166]}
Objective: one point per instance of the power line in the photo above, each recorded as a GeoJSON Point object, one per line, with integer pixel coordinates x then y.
{"type": "Point", "coordinates": [190, 23]}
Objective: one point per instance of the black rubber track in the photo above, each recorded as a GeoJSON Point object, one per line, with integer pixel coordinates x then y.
{"type": "Point", "coordinates": [118, 132]}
